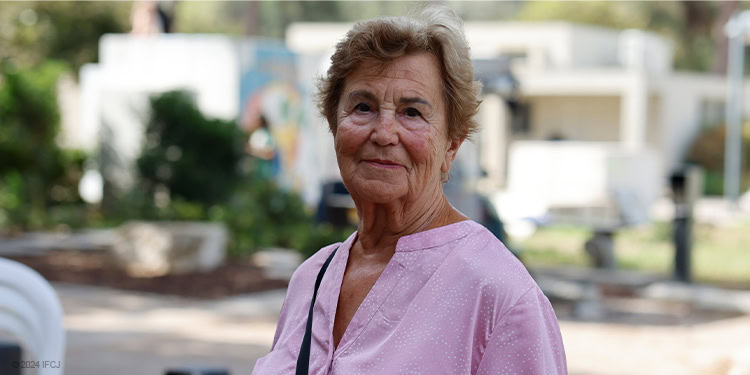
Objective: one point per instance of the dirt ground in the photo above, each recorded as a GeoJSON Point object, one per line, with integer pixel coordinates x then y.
{"type": "Point", "coordinates": [237, 276]}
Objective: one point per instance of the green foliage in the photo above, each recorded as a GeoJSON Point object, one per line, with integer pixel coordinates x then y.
{"type": "Point", "coordinates": [35, 173]}
{"type": "Point", "coordinates": [691, 25]}
{"type": "Point", "coordinates": [707, 151]}
{"type": "Point", "coordinates": [195, 158]}
{"type": "Point", "coordinates": [270, 19]}
{"type": "Point", "coordinates": [34, 32]}
{"type": "Point", "coordinates": [263, 215]}
{"type": "Point", "coordinates": [660, 16]}
{"type": "Point", "coordinates": [38, 180]}
{"type": "Point", "coordinates": [210, 17]}
{"type": "Point", "coordinates": [28, 115]}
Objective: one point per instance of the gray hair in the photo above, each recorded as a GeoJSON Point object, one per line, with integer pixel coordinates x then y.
{"type": "Point", "coordinates": [435, 29]}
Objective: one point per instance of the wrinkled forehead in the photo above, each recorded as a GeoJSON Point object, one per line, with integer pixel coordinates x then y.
{"type": "Point", "coordinates": [420, 70]}
{"type": "Point", "coordinates": [376, 66]}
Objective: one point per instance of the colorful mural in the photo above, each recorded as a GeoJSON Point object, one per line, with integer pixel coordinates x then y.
{"type": "Point", "coordinates": [269, 91]}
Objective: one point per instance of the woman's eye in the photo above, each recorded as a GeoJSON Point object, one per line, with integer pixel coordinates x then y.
{"type": "Point", "coordinates": [362, 107]}
{"type": "Point", "coordinates": [412, 112]}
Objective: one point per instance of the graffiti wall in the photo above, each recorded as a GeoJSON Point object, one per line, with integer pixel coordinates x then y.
{"type": "Point", "coordinates": [271, 102]}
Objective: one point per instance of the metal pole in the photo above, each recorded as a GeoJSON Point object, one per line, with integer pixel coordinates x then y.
{"type": "Point", "coordinates": [682, 225]}
{"type": "Point", "coordinates": [735, 30]}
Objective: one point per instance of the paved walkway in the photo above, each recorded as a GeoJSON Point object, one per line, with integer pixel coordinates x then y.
{"type": "Point", "coordinates": [125, 333]}
{"type": "Point", "coordinates": [717, 348]}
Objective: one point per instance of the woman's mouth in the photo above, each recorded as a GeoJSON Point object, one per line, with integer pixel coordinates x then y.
{"type": "Point", "coordinates": [380, 163]}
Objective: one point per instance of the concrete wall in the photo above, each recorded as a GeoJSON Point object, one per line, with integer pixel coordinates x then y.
{"type": "Point", "coordinates": [205, 64]}
{"type": "Point", "coordinates": [680, 105]}
{"type": "Point", "coordinates": [544, 44]}
{"type": "Point", "coordinates": [583, 175]}
{"type": "Point", "coordinates": [593, 47]}
{"type": "Point", "coordinates": [579, 118]}
{"type": "Point", "coordinates": [547, 45]}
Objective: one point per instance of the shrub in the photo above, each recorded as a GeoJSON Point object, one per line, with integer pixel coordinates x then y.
{"type": "Point", "coordinates": [195, 158]}
{"type": "Point", "coordinates": [205, 182]}
{"type": "Point", "coordinates": [35, 174]}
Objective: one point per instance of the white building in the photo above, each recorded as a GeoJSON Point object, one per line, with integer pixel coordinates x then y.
{"type": "Point", "coordinates": [620, 117]}
{"type": "Point", "coordinates": [230, 78]}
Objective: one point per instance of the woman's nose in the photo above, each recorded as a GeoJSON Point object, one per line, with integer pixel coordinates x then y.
{"type": "Point", "coordinates": [386, 129]}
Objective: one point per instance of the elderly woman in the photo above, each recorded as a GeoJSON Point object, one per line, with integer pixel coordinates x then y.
{"type": "Point", "coordinates": [418, 288]}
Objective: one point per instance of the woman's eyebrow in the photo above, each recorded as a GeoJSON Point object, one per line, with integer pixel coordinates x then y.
{"type": "Point", "coordinates": [412, 100]}
{"type": "Point", "coordinates": [361, 94]}
{"type": "Point", "coordinates": [370, 96]}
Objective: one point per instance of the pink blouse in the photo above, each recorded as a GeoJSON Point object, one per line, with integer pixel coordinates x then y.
{"type": "Point", "coordinates": [452, 300]}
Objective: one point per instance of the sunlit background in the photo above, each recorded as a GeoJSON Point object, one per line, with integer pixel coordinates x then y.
{"type": "Point", "coordinates": [164, 166]}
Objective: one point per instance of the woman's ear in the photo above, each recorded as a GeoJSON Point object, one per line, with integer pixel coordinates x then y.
{"type": "Point", "coordinates": [450, 154]}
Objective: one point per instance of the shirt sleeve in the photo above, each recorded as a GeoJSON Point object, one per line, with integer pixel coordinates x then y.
{"type": "Point", "coordinates": [526, 340]}
{"type": "Point", "coordinates": [280, 324]}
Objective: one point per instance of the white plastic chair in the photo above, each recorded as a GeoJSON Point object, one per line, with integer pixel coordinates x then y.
{"type": "Point", "coordinates": [30, 310]}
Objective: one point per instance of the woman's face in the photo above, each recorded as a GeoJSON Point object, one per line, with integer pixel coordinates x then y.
{"type": "Point", "coordinates": [391, 140]}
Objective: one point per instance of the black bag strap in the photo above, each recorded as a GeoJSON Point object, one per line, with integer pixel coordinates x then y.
{"type": "Point", "coordinates": [303, 360]}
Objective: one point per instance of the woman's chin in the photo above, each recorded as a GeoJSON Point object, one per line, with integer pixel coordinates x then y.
{"type": "Point", "coordinates": [380, 192]}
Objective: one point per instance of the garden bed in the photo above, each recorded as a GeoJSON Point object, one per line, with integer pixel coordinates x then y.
{"type": "Point", "coordinates": [237, 276]}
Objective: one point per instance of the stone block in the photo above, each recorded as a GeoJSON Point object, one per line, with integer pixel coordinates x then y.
{"type": "Point", "coordinates": [150, 249]}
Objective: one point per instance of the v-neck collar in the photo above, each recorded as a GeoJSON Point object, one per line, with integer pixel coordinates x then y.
{"type": "Point", "coordinates": [407, 252]}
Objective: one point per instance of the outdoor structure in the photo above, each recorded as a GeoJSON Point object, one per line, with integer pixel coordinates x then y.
{"type": "Point", "coordinates": [598, 122]}
{"type": "Point", "coordinates": [230, 78]}
{"type": "Point", "coordinates": [595, 122]}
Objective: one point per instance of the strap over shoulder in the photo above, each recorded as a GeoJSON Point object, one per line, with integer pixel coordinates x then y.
{"type": "Point", "coordinates": [303, 360]}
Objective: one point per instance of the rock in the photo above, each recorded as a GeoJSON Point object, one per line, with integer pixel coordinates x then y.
{"type": "Point", "coordinates": [150, 249]}
{"type": "Point", "coordinates": [278, 263]}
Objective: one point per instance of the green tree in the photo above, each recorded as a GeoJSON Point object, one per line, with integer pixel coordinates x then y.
{"type": "Point", "coordinates": [694, 26]}
{"type": "Point", "coordinates": [34, 172]}
{"type": "Point", "coordinates": [33, 32]}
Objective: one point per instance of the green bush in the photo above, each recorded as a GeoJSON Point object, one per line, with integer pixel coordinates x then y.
{"type": "Point", "coordinates": [205, 182]}
{"type": "Point", "coordinates": [59, 30]}
{"type": "Point", "coordinates": [35, 174]}
{"type": "Point", "coordinates": [195, 158]}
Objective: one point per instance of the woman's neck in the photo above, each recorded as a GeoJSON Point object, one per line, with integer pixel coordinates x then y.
{"type": "Point", "coordinates": [381, 225]}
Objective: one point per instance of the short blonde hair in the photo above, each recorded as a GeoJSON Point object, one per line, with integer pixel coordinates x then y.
{"type": "Point", "coordinates": [436, 30]}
